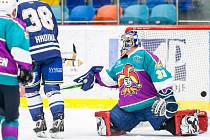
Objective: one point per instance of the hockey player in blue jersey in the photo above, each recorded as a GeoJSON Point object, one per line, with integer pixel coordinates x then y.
{"type": "Point", "coordinates": [44, 48]}
{"type": "Point", "coordinates": [15, 68]}
{"type": "Point", "coordinates": [145, 93]}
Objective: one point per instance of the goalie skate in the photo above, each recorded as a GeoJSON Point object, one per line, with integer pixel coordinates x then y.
{"type": "Point", "coordinates": [58, 127]}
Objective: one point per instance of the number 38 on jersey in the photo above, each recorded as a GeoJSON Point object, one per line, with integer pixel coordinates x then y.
{"type": "Point", "coordinates": [42, 17]}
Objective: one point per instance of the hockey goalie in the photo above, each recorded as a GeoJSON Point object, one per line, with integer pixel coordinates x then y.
{"type": "Point", "coordinates": [145, 94]}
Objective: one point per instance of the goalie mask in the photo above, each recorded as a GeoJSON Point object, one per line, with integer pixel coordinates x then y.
{"type": "Point", "coordinates": [7, 6]}
{"type": "Point", "coordinates": [128, 41]}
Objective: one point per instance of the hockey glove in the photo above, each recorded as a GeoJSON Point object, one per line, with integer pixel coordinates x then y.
{"type": "Point", "coordinates": [159, 107]}
{"type": "Point", "coordinates": [165, 104]}
{"type": "Point", "coordinates": [25, 76]}
{"type": "Point", "coordinates": [87, 80]}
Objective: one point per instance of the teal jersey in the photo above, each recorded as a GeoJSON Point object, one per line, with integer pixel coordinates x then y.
{"type": "Point", "coordinates": [139, 77]}
{"type": "Point", "coordinates": [14, 50]}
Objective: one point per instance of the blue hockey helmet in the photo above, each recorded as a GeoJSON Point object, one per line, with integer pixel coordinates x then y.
{"type": "Point", "coordinates": [128, 41]}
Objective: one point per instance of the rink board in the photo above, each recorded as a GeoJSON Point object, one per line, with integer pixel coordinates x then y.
{"type": "Point", "coordinates": [184, 50]}
{"type": "Point", "coordinates": [109, 103]}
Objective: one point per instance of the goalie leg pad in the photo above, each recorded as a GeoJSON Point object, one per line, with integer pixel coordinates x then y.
{"type": "Point", "coordinates": [190, 122]}
{"type": "Point", "coordinates": [103, 123]}
{"type": "Point", "coordinates": [104, 126]}
{"type": "Point", "coordinates": [203, 121]}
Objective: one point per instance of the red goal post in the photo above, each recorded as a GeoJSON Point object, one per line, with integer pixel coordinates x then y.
{"type": "Point", "coordinates": [184, 51]}
{"type": "Point", "coordinates": [168, 27]}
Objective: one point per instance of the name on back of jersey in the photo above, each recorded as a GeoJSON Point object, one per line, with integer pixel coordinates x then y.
{"type": "Point", "coordinates": [45, 38]}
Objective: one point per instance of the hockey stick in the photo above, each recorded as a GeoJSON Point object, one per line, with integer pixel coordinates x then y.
{"type": "Point", "coordinates": [71, 86]}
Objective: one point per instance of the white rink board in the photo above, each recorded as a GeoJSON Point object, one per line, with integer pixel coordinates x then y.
{"type": "Point", "coordinates": [93, 48]}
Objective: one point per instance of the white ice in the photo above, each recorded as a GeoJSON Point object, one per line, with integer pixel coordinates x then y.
{"type": "Point", "coordinates": [80, 124]}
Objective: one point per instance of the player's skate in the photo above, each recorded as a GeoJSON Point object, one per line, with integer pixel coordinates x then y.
{"type": "Point", "coordinates": [41, 127]}
{"type": "Point", "coordinates": [58, 127]}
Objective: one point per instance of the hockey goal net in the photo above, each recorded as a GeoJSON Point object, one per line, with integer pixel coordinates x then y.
{"type": "Point", "coordinates": [184, 51]}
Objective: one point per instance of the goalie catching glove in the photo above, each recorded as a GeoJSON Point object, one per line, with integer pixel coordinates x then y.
{"type": "Point", "coordinates": [88, 79]}
{"type": "Point", "coordinates": [165, 104]}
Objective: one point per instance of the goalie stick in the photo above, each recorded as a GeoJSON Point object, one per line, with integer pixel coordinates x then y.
{"type": "Point", "coordinates": [71, 86]}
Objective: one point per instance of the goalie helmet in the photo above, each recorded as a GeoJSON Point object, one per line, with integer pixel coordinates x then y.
{"type": "Point", "coordinates": [7, 6]}
{"type": "Point", "coordinates": [128, 41]}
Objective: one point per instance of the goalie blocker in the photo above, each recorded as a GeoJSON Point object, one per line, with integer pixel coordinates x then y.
{"type": "Point", "coordinates": [185, 122]}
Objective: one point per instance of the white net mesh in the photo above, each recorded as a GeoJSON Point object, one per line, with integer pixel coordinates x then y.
{"type": "Point", "coordinates": [185, 53]}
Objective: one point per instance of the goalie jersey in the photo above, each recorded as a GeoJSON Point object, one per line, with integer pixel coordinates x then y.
{"type": "Point", "coordinates": [42, 27]}
{"type": "Point", "coordinates": [139, 77]}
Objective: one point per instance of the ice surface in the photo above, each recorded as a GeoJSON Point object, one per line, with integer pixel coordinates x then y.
{"type": "Point", "coordinates": [80, 124]}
